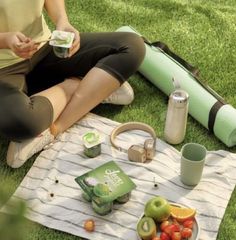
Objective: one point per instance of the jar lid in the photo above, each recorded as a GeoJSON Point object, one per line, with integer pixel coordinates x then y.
{"type": "Point", "coordinates": [92, 138]}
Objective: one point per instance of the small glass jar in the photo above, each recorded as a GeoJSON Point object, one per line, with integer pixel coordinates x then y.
{"type": "Point", "coordinates": [102, 209]}
{"type": "Point", "coordinates": [92, 144]}
{"type": "Point", "coordinates": [124, 198]}
{"type": "Point", "coordinates": [61, 52]}
{"type": "Point", "coordinates": [61, 42]}
{"type": "Point", "coordinates": [101, 191]}
{"type": "Point", "coordinates": [93, 151]}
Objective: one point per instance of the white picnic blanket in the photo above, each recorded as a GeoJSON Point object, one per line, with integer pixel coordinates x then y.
{"type": "Point", "coordinates": [61, 206]}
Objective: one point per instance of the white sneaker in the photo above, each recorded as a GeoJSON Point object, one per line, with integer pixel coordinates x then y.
{"type": "Point", "coordinates": [19, 152]}
{"type": "Point", "coordinates": [124, 95]}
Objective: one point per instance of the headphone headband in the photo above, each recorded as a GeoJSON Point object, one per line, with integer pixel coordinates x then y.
{"type": "Point", "coordinates": [131, 126]}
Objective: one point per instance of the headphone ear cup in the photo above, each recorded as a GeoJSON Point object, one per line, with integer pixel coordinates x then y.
{"type": "Point", "coordinates": [137, 153]}
{"type": "Point", "coordinates": [149, 146]}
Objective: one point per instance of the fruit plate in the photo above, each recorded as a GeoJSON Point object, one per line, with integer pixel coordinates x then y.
{"type": "Point", "coordinates": [195, 229]}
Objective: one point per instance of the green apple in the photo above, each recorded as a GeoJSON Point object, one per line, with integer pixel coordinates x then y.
{"type": "Point", "coordinates": [157, 208]}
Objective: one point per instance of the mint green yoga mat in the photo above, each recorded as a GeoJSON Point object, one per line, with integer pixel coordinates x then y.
{"type": "Point", "coordinates": [159, 68]}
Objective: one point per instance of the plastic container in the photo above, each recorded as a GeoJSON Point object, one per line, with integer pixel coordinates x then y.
{"type": "Point", "coordinates": [61, 42]}
{"type": "Point", "coordinates": [92, 144]}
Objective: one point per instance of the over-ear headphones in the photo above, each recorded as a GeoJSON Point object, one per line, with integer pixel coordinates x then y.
{"type": "Point", "coordinates": [136, 153]}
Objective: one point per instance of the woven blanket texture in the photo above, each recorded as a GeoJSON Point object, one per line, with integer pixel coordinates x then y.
{"type": "Point", "coordinates": [67, 210]}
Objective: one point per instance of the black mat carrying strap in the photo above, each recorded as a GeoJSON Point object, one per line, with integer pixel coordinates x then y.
{"type": "Point", "coordinates": [212, 115]}
{"type": "Point", "coordinates": [180, 60]}
{"type": "Point", "coordinates": [195, 74]}
{"type": "Point", "coordinates": [194, 71]}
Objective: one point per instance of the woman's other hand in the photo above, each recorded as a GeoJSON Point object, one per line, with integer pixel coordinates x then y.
{"type": "Point", "coordinates": [65, 26]}
{"type": "Point", "coordinates": [21, 45]}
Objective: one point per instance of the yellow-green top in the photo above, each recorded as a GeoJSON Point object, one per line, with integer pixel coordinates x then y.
{"type": "Point", "coordinates": [21, 16]}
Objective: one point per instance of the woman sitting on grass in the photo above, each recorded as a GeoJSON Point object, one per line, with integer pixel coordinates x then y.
{"type": "Point", "coordinates": [56, 97]}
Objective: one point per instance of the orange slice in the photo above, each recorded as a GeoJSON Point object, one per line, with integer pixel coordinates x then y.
{"type": "Point", "coordinates": [181, 213]}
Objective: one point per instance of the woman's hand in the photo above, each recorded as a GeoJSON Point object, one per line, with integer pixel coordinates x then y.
{"type": "Point", "coordinates": [66, 26]}
{"type": "Point", "coordinates": [21, 45]}
{"type": "Point", "coordinates": [57, 12]}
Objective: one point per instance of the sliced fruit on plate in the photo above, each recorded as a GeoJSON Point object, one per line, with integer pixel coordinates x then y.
{"type": "Point", "coordinates": [147, 228]}
{"type": "Point", "coordinates": [181, 213]}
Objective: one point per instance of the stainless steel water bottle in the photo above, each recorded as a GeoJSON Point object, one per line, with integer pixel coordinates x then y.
{"type": "Point", "coordinates": [176, 117]}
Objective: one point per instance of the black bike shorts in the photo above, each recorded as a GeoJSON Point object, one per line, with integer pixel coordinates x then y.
{"type": "Point", "coordinates": [21, 116]}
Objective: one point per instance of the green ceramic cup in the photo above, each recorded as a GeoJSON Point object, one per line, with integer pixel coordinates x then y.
{"type": "Point", "coordinates": [192, 163]}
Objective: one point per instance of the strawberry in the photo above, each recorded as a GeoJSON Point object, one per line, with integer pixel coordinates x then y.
{"type": "Point", "coordinates": [186, 233]}
{"type": "Point", "coordinates": [156, 238]}
{"type": "Point", "coordinates": [171, 228]}
{"type": "Point", "coordinates": [165, 236]}
{"type": "Point", "coordinates": [164, 224]}
{"type": "Point", "coordinates": [176, 236]}
{"type": "Point", "coordinates": [188, 223]}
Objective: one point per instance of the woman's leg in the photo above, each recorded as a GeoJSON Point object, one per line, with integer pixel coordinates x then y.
{"type": "Point", "coordinates": [104, 61]}
{"type": "Point", "coordinates": [58, 96]}
{"type": "Point", "coordinates": [65, 97]}
{"type": "Point", "coordinates": [122, 53]}
{"type": "Point", "coordinates": [88, 95]}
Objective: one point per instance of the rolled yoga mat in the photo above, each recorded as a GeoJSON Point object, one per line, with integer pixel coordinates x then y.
{"type": "Point", "coordinates": [205, 105]}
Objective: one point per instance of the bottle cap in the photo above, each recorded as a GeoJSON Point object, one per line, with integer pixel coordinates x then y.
{"type": "Point", "coordinates": [179, 97]}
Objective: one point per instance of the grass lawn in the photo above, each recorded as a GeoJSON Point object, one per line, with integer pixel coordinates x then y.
{"type": "Point", "coordinates": [202, 32]}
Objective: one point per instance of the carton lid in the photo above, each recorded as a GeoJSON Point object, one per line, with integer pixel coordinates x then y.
{"type": "Point", "coordinates": [62, 39]}
{"type": "Point", "coordinates": [91, 139]}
